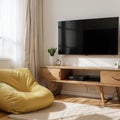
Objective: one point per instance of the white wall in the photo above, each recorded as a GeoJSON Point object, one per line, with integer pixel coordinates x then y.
{"type": "Point", "coordinates": [55, 10]}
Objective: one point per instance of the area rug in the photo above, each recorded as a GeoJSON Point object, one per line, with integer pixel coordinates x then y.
{"type": "Point", "coordinates": [70, 111]}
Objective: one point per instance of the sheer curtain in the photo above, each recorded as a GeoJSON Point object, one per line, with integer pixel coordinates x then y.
{"type": "Point", "coordinates": [33, 46]}
{"type": "Point", "coordinates": [12, 19]}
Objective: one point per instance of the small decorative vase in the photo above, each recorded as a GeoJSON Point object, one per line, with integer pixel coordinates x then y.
{"type": "Point", "coordinates": [52, 60]}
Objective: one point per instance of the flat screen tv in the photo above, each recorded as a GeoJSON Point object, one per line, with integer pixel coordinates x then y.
{"type": "Point", "coordinates": [97, 36]}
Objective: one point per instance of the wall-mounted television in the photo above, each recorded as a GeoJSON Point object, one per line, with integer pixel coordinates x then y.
{"type": "Point", "coordinates": [97, 36]}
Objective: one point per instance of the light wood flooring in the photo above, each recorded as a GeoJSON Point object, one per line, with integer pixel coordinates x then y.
{"type": "Point", "coordinates": [86, 100]}
{"type": "Point", "coordinates": [75, 99]}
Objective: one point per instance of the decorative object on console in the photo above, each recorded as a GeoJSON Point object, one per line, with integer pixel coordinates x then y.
{"type": "Point", "coordinates": [52, 52]}
{"type": "Point", "coordinates": [58, 62]}
{"type": "Point", "coordinates": [52, 60]}
{"type": "Point", "coordinates": [117, 64]}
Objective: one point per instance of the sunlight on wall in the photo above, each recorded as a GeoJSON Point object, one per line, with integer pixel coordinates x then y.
{"type": "Point", "coordinates": [90, 61]}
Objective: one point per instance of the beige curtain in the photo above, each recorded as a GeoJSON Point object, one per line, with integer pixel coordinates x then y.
{"type": "Point", "coordinates": [33, 36]}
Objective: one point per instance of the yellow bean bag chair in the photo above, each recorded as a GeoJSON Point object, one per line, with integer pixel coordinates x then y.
{"type": "Point", "coordinates": [20, 93]}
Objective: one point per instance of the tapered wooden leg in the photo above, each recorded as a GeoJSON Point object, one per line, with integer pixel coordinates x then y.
{"type": "Point", "coordinates": [101, 94]}
{"type": "Point", "coordinates": [60, 88]}
{"type": "Point", "coordinates": [118, 94]}
{"type": "Point", "coordinates": [52, 87]}
{"type": "Point", "coordinates": [55, 88]}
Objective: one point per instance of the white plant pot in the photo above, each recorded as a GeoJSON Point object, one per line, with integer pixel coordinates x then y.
{"type": "Point", "coordinates": [52, 60]}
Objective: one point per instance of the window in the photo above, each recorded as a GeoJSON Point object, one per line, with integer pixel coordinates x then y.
{"type": "Point", "coordinates": [12, 14]}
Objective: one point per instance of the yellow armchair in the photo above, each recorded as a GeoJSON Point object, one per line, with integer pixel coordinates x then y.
{"type": "Point", "coordinates": [20, 92]}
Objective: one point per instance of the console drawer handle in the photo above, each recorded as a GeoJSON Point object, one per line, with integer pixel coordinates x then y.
{"type": "Point", "coordinates": [116, 78]}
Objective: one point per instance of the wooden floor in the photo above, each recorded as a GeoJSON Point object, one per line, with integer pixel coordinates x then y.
{"type": "Point", "coordinates": [86, 100]}
{"type": "Point", "coordinates": [3, 115]}
{"type": "Point", "coordinates": [75, 99]}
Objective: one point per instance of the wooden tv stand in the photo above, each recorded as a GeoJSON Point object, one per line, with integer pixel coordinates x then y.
{"type": "Point", "coordinates": [109, 77]}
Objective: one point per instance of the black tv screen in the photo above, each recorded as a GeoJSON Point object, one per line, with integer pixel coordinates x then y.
{"type": "Point", "coordinates": [88, 37]}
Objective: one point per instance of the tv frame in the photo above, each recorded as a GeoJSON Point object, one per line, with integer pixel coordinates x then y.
{"type": "Point", "coordinates": [115, 53]}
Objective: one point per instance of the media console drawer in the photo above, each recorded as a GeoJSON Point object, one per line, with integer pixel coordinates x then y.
{"type": "Point", "coordinates": [110, 77]}
{"type": "Point", "coordinates": [50, 74]}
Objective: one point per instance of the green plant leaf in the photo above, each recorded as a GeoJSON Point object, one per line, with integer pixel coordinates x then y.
{"type": "Point", "coordinates": [52, 51]}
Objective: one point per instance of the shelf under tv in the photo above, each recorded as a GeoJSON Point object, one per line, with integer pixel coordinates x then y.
{"type": "Point", "coordinates": [109, 77]}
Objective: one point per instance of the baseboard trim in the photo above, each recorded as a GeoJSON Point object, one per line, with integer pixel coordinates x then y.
{"type": "Point", "coordinates": [84, 94]}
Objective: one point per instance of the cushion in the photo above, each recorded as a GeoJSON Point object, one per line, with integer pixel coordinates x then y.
{"type": "Point", "coordinates": [20, 93]}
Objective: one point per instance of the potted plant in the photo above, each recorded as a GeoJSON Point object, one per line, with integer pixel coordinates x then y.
{"type": "Point", "coordinates": [52, 52]}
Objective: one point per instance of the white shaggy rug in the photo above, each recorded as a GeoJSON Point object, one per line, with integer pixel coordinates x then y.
{"type": "Point", "coordinates": [70, 111]}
